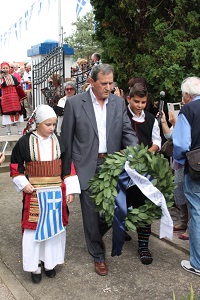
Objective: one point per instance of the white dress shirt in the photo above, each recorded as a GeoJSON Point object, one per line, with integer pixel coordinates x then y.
{"type": "Point", "coordinates": [100, 114]}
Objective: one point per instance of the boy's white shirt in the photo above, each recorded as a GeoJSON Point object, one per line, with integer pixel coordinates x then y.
{"type": "Point", "coordinates": [156, 138]}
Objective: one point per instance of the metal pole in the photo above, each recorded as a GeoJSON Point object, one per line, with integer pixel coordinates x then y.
{"type": "Point", "coordinates": [59, 22]}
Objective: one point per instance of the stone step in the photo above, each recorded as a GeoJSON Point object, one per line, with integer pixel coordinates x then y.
{"type": "Point", "coordinates": [5, 167]}
{"type": "Point", "coordinates": [11, 139]}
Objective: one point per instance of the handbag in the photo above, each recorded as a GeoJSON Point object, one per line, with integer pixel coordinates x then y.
{"type": "Point", "coordinates": [193, 158]}
{"type": "Point", "coordinates": [167, 148]}
{"type": "Point", "coordinates": [59, 110]}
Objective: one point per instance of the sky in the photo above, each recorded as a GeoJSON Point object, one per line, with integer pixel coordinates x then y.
{"type": "Point", "coordinates": [26, 23]}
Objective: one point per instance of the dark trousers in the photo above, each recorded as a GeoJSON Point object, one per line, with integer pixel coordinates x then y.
{"type": "Point", "coordinates": [93, 224]}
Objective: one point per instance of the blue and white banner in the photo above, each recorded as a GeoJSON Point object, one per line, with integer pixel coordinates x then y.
{"type": "Point", "coordinates": [79, 6]}
{"type": "Point", "coordinates": [50, 219]}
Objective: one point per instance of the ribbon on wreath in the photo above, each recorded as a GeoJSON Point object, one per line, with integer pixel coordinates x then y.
{"type": "Point", "coordinates": [151, 192]}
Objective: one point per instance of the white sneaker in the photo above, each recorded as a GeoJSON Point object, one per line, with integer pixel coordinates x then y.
{"type": "Point", "coordinates": [8, 133]}
{"type": "Point", "coordinates": [185, 264]}
{"type": "Point", "coordinates": [19, 133]}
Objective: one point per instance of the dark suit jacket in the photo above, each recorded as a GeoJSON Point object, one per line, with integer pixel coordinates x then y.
{"type": "Point", "coordinates": [80, 134]}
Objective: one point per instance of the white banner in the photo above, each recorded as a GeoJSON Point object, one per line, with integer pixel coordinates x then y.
{"type": "Point", "coordinates": [153, 194]}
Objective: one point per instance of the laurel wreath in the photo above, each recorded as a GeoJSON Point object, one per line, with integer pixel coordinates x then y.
{"type": "Point", "coordinates": [103, 185]}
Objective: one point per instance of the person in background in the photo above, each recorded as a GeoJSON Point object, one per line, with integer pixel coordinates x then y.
{"type": "Point", "coordinates": [39, 159]}
{"type": "Point", "coordinates": [12, 96]}
{"type": "Point", "coordinates": [81, 74]}
{"type": "Point", "coordinates": [13, 67]}
{"type": "Point", "coordinates": [186, 138]}
{"type": "Point", "coordinates": [27, 77]}
{"type": "Point", "coordinates": [53, 92]}
{"type": "Point", "coordinates": [70, 90]}
{"type": "Point", "coordinates": [13, 72]}
{"type": "Point", "coordinates": [148, 132]}
{"type": "Point", "coordinates": [95, 124]}
{"type": "Point", "coordinates": [27, 86]}
{"type": "Point", "coordinates": [96, 59]}
{"type": "Point", "coordinates": [155, 107]}
{"type": "Point", "coordinates": [179, 196]}
{"type": "Point", "coordinates": [116, 90]}
{"type": "Point", "coordinates": [17, 68]}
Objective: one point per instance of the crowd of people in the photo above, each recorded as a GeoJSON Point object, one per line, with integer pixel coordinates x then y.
{"type": "Point", "coordinates": [65, 144]}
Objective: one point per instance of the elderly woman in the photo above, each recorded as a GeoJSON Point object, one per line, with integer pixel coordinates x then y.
{"type": "Point", "coordinates": [70, 90]}
{"type": "Point", "coordinates": [40, 169]}
{"type": "Point", "coordinates": [12, 95]}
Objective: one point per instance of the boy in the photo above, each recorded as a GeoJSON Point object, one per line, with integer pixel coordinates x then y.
{"type": "Point", "coordinates": [148, 132]}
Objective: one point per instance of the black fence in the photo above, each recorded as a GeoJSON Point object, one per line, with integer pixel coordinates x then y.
{"type": "Point", "coordinates": [48, 78]}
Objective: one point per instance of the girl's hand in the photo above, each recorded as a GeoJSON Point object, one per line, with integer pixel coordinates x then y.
{"type": "Point", "coordinates": [28, 189]}
{"type": "Point", "coordinates": [70, 198]}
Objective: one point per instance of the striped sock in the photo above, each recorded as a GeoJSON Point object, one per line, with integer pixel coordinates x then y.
{"type": "Point", "coordinates": [143, 242]}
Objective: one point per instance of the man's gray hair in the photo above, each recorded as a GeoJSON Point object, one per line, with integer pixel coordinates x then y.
{"type": "Point", "coordinates": [102, 68]}
{"type": "Point", "coordinates": [191, 86]}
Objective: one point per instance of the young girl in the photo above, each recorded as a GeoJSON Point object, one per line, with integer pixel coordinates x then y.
{"type": "Point", "coordinates": [39, 160]}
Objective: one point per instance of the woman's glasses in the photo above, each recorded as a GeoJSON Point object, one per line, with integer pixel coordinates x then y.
{"type": "Point", "coordinates": [69, 89]}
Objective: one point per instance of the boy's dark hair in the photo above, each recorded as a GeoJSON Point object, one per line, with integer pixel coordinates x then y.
{"type": "Point", "coordinates": [138, 89]}
{"type": "Point", "coordinates": [135, 80]}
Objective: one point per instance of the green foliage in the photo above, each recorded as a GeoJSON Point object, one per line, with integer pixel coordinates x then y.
{"type": "Point", "coordinates": [155, 39]}
{"type": "Point", "coordinates": [104, 184]}
{"type": "Point", "coordinates": [83, 38]}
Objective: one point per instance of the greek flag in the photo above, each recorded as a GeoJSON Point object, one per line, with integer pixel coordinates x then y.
{"type": "Point", "coordinates": [50, 219]}
{"type": "Point", "coordinates": [79, 6]}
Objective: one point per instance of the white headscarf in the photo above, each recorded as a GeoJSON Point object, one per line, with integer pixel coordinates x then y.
{"type": "Point", "coordinates": [39, 115]}
{"type": "Point", "coordinates": [44, 112]}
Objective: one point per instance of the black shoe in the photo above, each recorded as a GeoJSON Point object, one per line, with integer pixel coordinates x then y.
{"type": "Point", "coordinates": [50, 273]}
{"type": "Point", "coordinates": [36, 278]}
{"type": "Point", "coordinates": [127, 237]}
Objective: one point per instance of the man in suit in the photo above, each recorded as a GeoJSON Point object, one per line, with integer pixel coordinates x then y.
{"type": "Point", "coordinates": [95, 124]}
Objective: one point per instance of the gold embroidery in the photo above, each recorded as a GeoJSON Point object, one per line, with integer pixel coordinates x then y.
{"type": "Point", "coordinates": [34, 208]}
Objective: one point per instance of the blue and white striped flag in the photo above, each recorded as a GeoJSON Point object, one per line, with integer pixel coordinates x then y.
{"type": "Point", "coordinates": [79, 6]}
{"type": "Point", "coordinates": [50, 219]}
